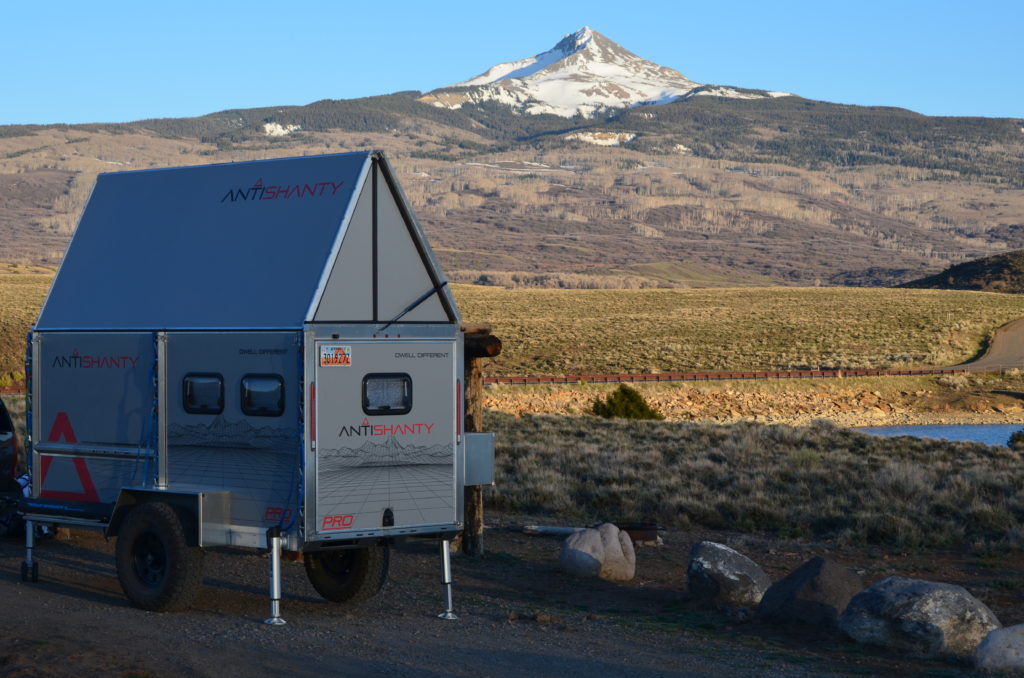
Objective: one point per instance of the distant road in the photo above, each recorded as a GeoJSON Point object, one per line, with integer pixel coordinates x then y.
{"type": "Point", "coordinates": [1006, 350]}
{"type": "Point", "coordinates": [715, 376]}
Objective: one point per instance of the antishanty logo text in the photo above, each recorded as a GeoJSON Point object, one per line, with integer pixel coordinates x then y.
{"type": "Point", "coordinates": [368, 429]}
{"type": "Point", "coordinates": [259, 191]}
{"type": "Point", "coordinates": [102, 362]}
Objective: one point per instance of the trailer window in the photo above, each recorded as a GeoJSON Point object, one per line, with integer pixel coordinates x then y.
{"type": "Point", "coordinates": [203, 393]}
{"type": "Point", "coordinates": [263, 395]}
{"type": "Point", "coordinates": [387, 393]}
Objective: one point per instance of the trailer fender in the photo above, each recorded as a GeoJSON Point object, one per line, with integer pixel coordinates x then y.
{"type": "Point", "coordinates": [188, 505]}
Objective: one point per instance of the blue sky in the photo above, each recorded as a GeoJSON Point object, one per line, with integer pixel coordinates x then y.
{"type": "Point", "coordinates": [118, 61]}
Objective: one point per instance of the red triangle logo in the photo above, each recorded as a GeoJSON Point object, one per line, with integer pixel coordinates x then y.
{"type": "Point", "coordinates": [62, 429]}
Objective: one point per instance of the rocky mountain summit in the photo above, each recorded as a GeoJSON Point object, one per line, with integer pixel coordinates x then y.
{"type": "Point", "coordinates": [584, 74]}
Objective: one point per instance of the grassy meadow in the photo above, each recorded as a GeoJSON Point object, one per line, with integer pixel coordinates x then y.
{"type": "Point", "coordinates": [549, 331]}
{"type": "Point", "coordinates": [813, 481]}
{"type": "Point", "coordinates": [810, 481]}
{"type": "Point", "coordinates": [22, 290]}
{"type": "Point", "coordinates": [579, 331]}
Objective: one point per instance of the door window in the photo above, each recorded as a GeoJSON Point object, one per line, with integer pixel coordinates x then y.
{"type": "Point", "coordinates": [387, 394]}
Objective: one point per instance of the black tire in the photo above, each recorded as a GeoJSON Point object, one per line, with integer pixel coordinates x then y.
{"type": "Point", "coordinates": [348, 575]}
{"type": "Point", "coordinates": [157, 568]}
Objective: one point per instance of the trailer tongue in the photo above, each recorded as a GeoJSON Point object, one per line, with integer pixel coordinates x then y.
{"type": "Point", "coordinates": [258, 354]}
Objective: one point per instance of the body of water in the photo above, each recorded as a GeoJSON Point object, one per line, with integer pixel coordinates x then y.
{"type": "Point", "coordinates": [990, 434]}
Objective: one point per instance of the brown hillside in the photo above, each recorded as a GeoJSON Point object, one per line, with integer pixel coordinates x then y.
{"type": "Point", "coordinates": [708, 194]}
{"type": "Point", "coordinates": [1000, 273]}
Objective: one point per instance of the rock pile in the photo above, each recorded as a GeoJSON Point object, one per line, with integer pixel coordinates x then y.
{"type": "Point", "coordinates": [720, 574]}
{"type": "Point", "coordinates": [1002, 651]}
{"type": "Point", "coordinates": [912, 616]}
{"type": "Point", "coordinates": [604, 551]}
{"type": "Point", "coordinates": [922, 618]}
{"type": "Point", "coordinates": [815, 593]}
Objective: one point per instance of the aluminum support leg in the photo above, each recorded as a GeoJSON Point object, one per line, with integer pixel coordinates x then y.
{"type": "Point", "coordinates": [274, 542]}
{"type": "Point", "coordinates": [29, 567]}
{"type": "Point", "coordinates": [446, 579]}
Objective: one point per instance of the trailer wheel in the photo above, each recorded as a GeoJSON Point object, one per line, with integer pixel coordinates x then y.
{"type": "Point", "coordinates": [348, 575]}
{"type": "Point", "coordinates": [157, 568]}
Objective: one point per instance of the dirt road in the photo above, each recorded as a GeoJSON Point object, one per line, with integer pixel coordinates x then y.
{"type": "Point", "coordinates": [518, 616]}
{"type": "Point", "coordinates": [1006, 350]}
{"type": "Point", "coordinates": [76, 622]}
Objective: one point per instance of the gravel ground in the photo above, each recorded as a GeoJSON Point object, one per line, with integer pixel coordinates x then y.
{"type": "Point", "coordinates": [518, 616]}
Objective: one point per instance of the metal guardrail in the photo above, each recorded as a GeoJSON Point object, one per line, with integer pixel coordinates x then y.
{"type": "Point", "coordinates": [694, 376]}
{"type": "Point", "coordinates": [715, 376]}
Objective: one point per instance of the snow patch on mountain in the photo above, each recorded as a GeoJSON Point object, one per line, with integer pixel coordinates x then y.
{"type": "Point", "coordinates": [523, 68]}
{"type": "Point", "coordinates": [518, 166]}
{"type": "Point", "coordinates": [276, 129]}
{"type": "Point", "coordinates": [584, 74]}
{"type": "Point", "coordinates": [730, 93]}
{"type": "Point", "coordinates": [602, 138]}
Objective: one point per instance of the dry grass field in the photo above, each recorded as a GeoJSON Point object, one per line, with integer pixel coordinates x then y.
{"type": "Point", "coordinates": [809, 481]}
{"type": "Point", "coordinates": [22, 290]}
{"type": "Point", "coordinates": [599, 331]}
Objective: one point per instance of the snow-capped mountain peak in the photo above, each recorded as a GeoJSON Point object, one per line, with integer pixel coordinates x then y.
{"type": "Point", "coordinates": [570, 44]}
{"type": "Point", "coordinates": [585, 73]}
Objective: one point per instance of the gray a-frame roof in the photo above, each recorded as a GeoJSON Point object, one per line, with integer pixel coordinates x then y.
{"type": "Point", "coordinates": [270, 244]}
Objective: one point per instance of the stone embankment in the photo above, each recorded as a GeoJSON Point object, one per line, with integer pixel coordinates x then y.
{"type": "Point", "coordinates": [844, 406]}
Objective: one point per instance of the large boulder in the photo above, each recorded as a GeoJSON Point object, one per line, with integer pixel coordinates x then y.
{"type": "Point", "coordinates": [815, 593]}
{"type": "Point", "coordinates": [718, 573]}
{"type": "Point", "coordinates": [919, 617]}
{"type": "Point", "coordinates": [604, 552]}
{"type": "Point", "coordinates": [1002, 650]}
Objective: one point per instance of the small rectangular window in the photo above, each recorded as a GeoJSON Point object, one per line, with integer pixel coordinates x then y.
{"type": "Point", "coordinates": [263, 395]}
{"type": "Point", "coordinates": [387, 394]}
{"type": "Point", "coordinates": [203, 393]}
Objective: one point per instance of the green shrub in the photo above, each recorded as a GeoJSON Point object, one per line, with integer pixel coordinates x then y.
{"type": "Point", "coordinates": [1016, 441]}
{"type": "Point", "coordinates": [626, 403]}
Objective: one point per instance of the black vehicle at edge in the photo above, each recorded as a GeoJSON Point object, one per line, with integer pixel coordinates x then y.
{"type": "Point", "coordinates": [10, 465]}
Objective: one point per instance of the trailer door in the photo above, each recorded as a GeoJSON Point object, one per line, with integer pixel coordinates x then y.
{"type": "Point", "coordinates": [385, 435]}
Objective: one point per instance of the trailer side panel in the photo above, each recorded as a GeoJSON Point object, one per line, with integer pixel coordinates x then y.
{"type": "Point", "coordinates": [94, 406]}
{"type": "Point", "coordinates": [233, 424]}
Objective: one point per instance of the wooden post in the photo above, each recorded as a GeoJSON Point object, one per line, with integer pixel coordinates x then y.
{"type": "Point", "coordinates": [479, 345]}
